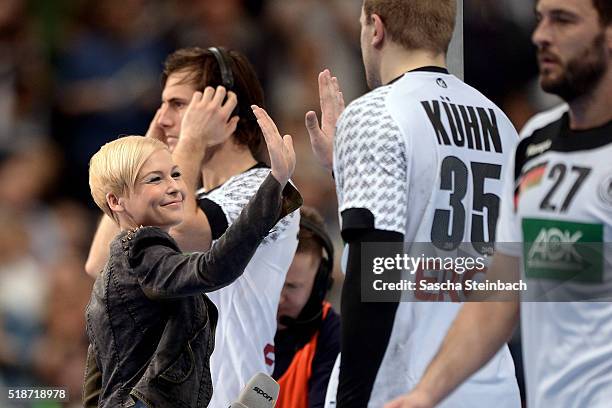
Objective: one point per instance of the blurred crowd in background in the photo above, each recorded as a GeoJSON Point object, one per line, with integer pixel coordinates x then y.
{"type": "Point", "coordinates": [75, 74]}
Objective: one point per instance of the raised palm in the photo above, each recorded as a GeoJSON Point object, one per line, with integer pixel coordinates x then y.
{"type": "Point", "coordinates": [280, 149]}
{"type": "Point", "coordinates": [332, 105]}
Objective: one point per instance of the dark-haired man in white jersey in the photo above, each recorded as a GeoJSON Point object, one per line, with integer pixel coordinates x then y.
{"type": "Point", "coordinates": [558, 190]}
{"type": "Point", "coordinates": [417, 159]}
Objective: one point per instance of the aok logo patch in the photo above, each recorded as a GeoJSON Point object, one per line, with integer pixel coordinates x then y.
{"type": "Point", "coordinates": [561, 250]}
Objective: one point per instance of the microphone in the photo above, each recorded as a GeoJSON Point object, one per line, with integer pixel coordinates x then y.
{"type": "Point", "coordinates": [260, 392]}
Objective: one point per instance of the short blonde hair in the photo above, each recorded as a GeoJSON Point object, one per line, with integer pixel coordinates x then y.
{"type": "Point", "coordinates": [416, 24]}
{"type": "Point", "coordinates": [114, 168]}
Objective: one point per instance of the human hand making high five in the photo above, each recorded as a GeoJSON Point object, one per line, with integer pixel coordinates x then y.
{"type": "Point", "coordinates": [207, 118]}
{"type": "Point", "coordinates": [280, 149]}
{"type": "Point", "coordinates": [332, 105]}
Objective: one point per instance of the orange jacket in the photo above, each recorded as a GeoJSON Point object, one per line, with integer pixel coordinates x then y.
{"type": "Point", "coordinates": [294, 382]}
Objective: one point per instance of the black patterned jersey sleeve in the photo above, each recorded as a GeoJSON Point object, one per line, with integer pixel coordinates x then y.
{"type": "Point", "coordinates": [370, 166]}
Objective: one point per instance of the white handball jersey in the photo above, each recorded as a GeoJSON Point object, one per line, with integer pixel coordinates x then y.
{"type": "Point", "coordinates": [424, 156]}
{"type": "Point", "coordinates": [244, 338]}
{"type": "Point", "coordinates": [560, 190]}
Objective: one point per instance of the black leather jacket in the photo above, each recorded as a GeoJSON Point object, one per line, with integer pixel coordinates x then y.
{"type": "Point", "coordinates": [150, 326]}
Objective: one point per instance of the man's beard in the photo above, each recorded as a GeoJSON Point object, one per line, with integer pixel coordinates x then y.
{"type": "Point", "coordinates": [581, 74]}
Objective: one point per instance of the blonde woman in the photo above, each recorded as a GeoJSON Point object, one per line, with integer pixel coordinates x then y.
{"type": "Point", "coordinates": [150, 326]}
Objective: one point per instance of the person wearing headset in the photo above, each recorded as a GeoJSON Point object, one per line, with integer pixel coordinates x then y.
{"type": "Point", "coordinates": [220, 181]}
{"type": "Point", "coordinates": [307, 341]}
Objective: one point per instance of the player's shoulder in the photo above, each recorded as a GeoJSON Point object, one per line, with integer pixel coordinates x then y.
{"type": "Point", "coordinates": [369, 105]}
{"type": "Point", "coordinates": [366, 117]}
{"type": "Point", "coordinates": [537, 133]}
{"type": "Point", "coordinates": [545, 118]}
{"type": "Point", "coordinates": [244, 184]}
{"type": "Point", "coordinates": [253, 176]}
{"type": "Point", "coordinates": [477, 98]}
{"type": "Point", "coordinates": [474, 99]}
{"type": "Point", "coordinates": [443, 91]}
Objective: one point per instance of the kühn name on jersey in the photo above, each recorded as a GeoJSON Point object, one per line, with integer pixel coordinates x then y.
{"type": "Point", "coordinates": [471, 127]}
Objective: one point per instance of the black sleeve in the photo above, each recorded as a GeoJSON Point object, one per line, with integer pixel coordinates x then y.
{"type": "Point", "coordinates": [215, 215]}
{"type": "Point", "coordinates": [366, 326]}
{"type": "Point", "coordinates": [328, 347]}
{"type": "Point", "coordinates": [356, 221]}
{"type": "Point", "coordinates": [164, 272]}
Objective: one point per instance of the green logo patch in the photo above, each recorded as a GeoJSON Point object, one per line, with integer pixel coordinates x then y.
{"type": "Point", "coordinates": [561, 250]}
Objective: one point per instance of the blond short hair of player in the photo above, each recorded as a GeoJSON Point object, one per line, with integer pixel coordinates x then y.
{"type": "Point", "coordinates": [115, 167]}
{"type": "Point", "coordinates": [416, 24]}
